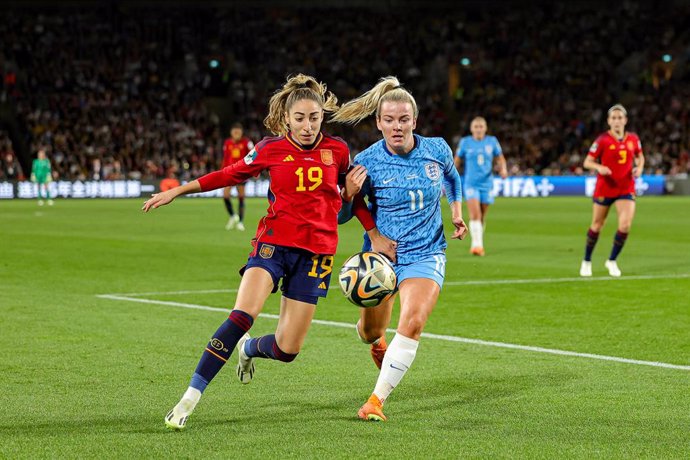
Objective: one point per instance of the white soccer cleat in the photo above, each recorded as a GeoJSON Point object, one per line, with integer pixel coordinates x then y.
{"type": "Point", "coordinates": [586, 268]}
{"type": "Point", "coordinates": [177, 417]}
{"type": "Point", "coordinates": [232, 221]}
{"type": "Point", "coordinates": [40, 202]}
{"type": "Point", "coordinates": [50, 202]}
{"type": "Point", "coordinates": [240, 226]}
{"type": "Point", "coordinates": [245, 365]}
{"type": "Point", "coordinates": [612, 266]}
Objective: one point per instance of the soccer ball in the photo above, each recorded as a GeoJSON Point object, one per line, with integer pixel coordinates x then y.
{"type": "Point", "coordinates": [367, 279]}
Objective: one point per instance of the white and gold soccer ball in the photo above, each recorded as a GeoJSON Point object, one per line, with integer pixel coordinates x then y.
{"type": "Point", "coordinates": [367, 279]}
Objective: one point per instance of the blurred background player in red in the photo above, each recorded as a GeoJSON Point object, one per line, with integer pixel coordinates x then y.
{"type": "Point", "coordinates": [617, 158]}
{"type": "Point", "coordinates": [294, 242]}
{"type": "Point", "coordinates": [235, 147]}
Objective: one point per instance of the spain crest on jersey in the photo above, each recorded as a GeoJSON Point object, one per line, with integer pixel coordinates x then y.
{"type": "Point", "coordinates": [327, 156]}
{"type": "Point", "coordinates": [266, 251]}
{"type": "Point", "coordinates": [432, 171]}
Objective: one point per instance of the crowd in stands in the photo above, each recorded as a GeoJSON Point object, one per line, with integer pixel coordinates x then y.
{"type": "Point", "coordinates": [143, 93]}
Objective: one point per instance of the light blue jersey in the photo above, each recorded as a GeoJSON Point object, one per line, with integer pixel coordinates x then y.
{"type": "Point", "coordinates": [404, 193]}
{"type": "Point", "coordinates": [478, 158]}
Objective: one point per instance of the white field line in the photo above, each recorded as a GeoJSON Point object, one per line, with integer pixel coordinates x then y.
{"type": "Point", "coordinates": [448, 338]}
{"type": "Point", "coordinates": [450, 283]}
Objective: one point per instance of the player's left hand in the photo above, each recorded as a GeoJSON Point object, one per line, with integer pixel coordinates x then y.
{"type": "Point", "coordinates": [503, 173]}
{"type": "Point", "coordinates": [159, 199]}
{"type": "Point", "coordinates": [460, 229]}
{"type": "Point", "coordinates": [637, 171]}
{"type": "Point", "coordinates": [354, 181]}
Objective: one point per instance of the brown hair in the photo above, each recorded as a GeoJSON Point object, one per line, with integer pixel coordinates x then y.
{"type": "Point", "coordinates": [388, 89]}
{"type": "Point", "coordinates": [297, 88]}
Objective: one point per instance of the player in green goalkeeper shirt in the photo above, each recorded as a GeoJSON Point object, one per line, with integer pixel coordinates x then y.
{"type": "Point", "coordinates": [42, 176]}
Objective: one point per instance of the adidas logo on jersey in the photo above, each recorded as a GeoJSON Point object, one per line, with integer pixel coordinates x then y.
{"type": "Point", "coordinates": [322, 285]}
{"type": "Point", "coordinates": [288, 158]}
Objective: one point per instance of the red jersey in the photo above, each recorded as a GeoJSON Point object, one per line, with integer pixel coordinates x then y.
{"type": "Point", "coordinates": [235, 151]}
{"type": "Point", "coordinates": [303, 198]}
{"type": "Point", "coordinates": [618, 156]}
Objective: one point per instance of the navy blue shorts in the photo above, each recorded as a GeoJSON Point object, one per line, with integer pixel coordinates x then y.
{"type": "Point", "coordinates": [606, 201]}
{"type": "Point", "coordinates": [305, 276]}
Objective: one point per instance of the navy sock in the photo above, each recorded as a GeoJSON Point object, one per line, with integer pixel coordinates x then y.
{"type": "Point", "coordinates": [220, 348]}
{"type": "Point", "coordinates": [267, 347]}
{"type": "Point", "coordinates": [228, 206]}
{"type": "Point", "coordinates": [592, 238]}
{"type": "Point", "coordinates": [241, 206]}
{"type": "Point", "coordinates": [618, 242]}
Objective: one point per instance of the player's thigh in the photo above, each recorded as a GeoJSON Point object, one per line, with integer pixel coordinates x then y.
{"type": "Point", "coordinates": [474, 208]}
{"type": "Point", "coordinates": [375, 320]}
{"type": "Point", "coordinates": [256, 285]}
{"type": "Point", "coordinates": [418, 298]}
{"type": "Point", "coordinates": [626, 213]}
{"type": "Point", "coordinates": [293, 324]}
{"type": "Point", "coordinates": [599, 213]}
{"type": "Point", "coordinates": [226, 192]}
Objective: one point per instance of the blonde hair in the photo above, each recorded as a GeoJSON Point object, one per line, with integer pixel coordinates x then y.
{"type": "Point", "coordinates": [618, 107]}
{"type": "Point", "coordinates": [388, 89]}
{"type": "Point", "coordinates": [297, 88]}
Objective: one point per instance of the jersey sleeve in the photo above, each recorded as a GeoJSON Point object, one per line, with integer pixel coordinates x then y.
{"type": "Point", "coordinates": [252, 164]}
{"type": "Point", "coordinates": [460, 151]}
{"type": "Point", "coordinates": [638, 144]}
{"type": "Point", "coordinates": [498, 151]}
{"type": "Point", "coordinates": [596, 149]}
{"type": "Point", "coordinates": [451, 179]}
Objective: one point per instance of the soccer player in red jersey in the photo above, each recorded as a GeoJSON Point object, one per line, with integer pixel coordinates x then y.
{"type": "Point", "coordinates": [235, 148]}
{"type": "Point", "coordinates": [617, 158]}
{"type": "Point", "coordinates": [295, 240]}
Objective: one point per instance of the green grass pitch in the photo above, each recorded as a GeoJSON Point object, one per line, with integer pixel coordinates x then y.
{"type": "Point", "coordinates": [91, 377]}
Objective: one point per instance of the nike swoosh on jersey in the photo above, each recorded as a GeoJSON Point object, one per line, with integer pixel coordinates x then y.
{"type": "Point", "coordinates": [388, 180]}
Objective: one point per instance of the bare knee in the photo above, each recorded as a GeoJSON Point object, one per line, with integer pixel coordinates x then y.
{"type": "Point", "coordinates": [412, 326]}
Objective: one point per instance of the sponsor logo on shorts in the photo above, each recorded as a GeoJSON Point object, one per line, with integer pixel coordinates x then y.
{"type": "Point", "coordinates": [266, 251]}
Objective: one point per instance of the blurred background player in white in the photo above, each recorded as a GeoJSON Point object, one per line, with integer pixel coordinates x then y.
{"type": "Point", "coordinates": [406, 173]}
{"type": "Point", "coordinates": [479, 152]}
{"type": "Point", "coordinates": [41, 175]}
{"type": "Point", "coordinates": [294, 242]}
{"type": "Point", "coordinates": [618, 160]}
{"type": "Point", "coordinates": [236, 147]}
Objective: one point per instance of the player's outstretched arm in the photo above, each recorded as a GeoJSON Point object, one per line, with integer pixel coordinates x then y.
{"type": "Point", "coordinates": [161, 199]}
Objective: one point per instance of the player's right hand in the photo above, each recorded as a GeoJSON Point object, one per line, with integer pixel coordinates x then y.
{"type": "Point", "coordinates": [159, 199]}
{"type": "Point", "coordinates": [604, 171]}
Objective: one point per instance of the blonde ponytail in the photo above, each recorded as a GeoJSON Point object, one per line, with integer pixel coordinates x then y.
{"type": "Point", "coordinates": [297, 88]}
{"type": "Point", "coordinates": [388, 89]}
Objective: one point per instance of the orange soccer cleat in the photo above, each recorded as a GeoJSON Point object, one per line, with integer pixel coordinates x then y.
{"type": "Point", "coordinates": [378, 351]}
{"type": "Point", "coordinates": [477, 251]}
{"type": "Point", "coordinates": [372, 410]}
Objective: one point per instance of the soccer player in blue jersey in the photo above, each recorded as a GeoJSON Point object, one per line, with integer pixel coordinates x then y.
{"type": "Point", "coordinates": [406, 173]}
{"type": "Point", "coordinates": [479, 152]}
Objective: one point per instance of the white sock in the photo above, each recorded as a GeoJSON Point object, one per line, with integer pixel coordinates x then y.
{"type": "Point", "coordinates": [398, 359]}
{"type": "Point", "coordinates": [477, 233]}
{"type": "Point", "coordinates": [193, 395]}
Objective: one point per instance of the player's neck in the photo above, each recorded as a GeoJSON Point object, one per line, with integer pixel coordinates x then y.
{"type": "Point", "coordinates": [618, 135]}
